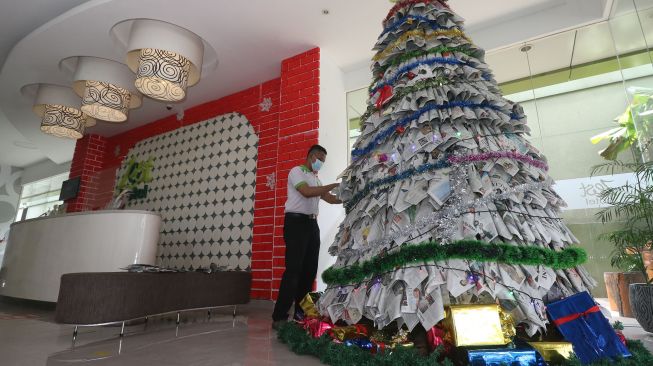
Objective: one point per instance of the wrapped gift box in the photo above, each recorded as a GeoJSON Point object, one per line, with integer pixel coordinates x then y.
{"type": "Point", "coordinates": [581, 322]}
{"type": "Point", "coordinates": [504, 356]}
{"type": "Point", "coordinates": [308, 305]}
{"type": "Point", "coordinates": [477, 325]}
{"type": "Point", "coordinates": [553, 351]}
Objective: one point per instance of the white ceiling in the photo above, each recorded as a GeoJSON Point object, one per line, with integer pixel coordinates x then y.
{"type": "Point", "coordinates": [13, 28]}
{"type": "Point", "coordinates": [251, 38]}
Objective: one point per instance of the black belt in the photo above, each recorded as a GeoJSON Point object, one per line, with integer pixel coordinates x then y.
{"type": "Point", "coordinates": [301, 215]}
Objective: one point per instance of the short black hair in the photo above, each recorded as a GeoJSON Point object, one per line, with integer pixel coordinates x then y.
{"type": "Point", "coordinates": [315, 148]}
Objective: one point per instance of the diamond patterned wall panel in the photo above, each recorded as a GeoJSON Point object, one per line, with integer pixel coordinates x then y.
{"type": "Point", "coordinates": [203, 187]}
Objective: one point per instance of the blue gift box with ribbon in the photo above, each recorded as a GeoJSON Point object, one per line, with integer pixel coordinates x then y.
{"type": "Point", "coordinates": [581, 322]}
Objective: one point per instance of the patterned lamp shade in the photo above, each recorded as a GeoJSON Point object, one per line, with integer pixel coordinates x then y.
{"type": "Point", "coordinates": [105, 101]}
{"type": "Point", "coordinates": [105, 86]}
{"type": "Point", "coordinates": [63, 121]}
{"type": "Point", "coordinates": [166, 58]}
{"type": "Point", "coordinates": [58, 108]}
{"type": "Point", "coordinates": [162, 75]}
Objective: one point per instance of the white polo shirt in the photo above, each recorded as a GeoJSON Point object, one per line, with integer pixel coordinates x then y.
{"type": "Point", "coordinates": [296, 202]}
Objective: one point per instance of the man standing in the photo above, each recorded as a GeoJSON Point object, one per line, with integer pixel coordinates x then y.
{"type": "Point", "coordinates": [301, 233]}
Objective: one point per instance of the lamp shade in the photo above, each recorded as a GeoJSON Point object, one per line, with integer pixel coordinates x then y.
{"type": "Point", "coordinates": [58, 107]}
{"type": "Point", "coordinates": [105, 101]}
{"type": "Point", "coordinates": [106, 87]}
{"type": "Point", "coordinates": [162, 75]}
{"type": "Point", "coordinates": [63, 121]}
{"type": "Point", "coordinates": [166, 59]}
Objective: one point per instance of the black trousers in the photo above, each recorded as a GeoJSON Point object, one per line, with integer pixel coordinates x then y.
{"type": "Point", "coordinates": [302, 236]}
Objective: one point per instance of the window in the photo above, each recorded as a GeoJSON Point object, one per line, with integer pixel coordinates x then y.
{"type": "Point", "coordinates": [356, 106]}
{"type": "Point", "coordinates": [40, 197]}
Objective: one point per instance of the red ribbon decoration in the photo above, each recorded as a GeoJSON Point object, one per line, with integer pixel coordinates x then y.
{"type": "Point", "coordinates": [384, 96]}
{"type": "Point", "coordinates": [380, 348]}
{"type": "Point", "coordinates": [436, 337]}
{"type": "Point", "coordinates": [315, 327]}
{"type": "Point", "coordinates": [572, 317]}
{"type": "Point", "coordinates": [361, 329]}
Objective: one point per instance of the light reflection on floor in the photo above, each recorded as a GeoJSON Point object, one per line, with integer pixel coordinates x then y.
{"type": "Point", "coordinates": [220, 340]}
{"type": "Point", "coordinates": [28, 336]}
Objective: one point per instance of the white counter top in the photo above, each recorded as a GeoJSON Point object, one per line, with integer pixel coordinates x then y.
{"type": "Point", "coordinates": [40, 250]}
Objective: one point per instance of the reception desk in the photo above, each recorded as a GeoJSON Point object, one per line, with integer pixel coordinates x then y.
{"type": "Point", "coordinates": [40, 250]}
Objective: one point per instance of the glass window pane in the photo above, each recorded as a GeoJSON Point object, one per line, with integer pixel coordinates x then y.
{"type": "Point", "coordinates": [37, 198]}
{"type": "Point", "coordinates": [356, 107]}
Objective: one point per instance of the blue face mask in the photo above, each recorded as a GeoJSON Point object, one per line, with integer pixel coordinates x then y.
{"type": "Point", "coordinates": [316, 165]}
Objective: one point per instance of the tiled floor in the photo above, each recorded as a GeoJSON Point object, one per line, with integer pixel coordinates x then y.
{"type": "Point", "coordinates": [28, 336]}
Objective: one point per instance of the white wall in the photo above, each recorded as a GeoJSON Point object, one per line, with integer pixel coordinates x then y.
{"type": "Point", "coordinates": [44, 169]}
{"type": "Point", "coordinates": [358, 77]}
{"type": "Point", "coordinates": [333, 136]}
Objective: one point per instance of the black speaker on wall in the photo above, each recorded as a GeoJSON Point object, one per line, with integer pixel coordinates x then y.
{"type": "Point", "coordinates": [69, 189]}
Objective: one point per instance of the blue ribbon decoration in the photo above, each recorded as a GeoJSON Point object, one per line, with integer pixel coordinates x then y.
{"type": "Point", "coordinates": [442, 163]}
{"type": "Point", "coordinates": [410, 66]}
{"type": "Point", "coordinates": [406, 120]}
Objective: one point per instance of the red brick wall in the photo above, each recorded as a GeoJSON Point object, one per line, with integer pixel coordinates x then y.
{"type": "Point", "coordinates": [285, 132]}
{"type": "Point", "coordinates": [88, 160]}
{"type": "Point", "coordinates": [298, 130]}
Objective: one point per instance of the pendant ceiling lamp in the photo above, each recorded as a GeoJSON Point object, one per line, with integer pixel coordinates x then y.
{"type": "Point", "coordinates": [105, 86]}
{"type": "Point", "coordinates": [59, 109]}
{"type": "Point", "coordinates": [166, 59]}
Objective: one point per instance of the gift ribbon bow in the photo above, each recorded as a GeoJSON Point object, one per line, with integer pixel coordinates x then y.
{"type": "Point", "coordinates": [572, 317]}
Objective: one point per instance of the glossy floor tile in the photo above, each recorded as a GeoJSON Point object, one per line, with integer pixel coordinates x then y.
{"type": "Point", "coordinates": [29, 336]}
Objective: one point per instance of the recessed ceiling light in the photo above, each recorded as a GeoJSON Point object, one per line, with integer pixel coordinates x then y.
{"type": "Point", "coordinates": [325, 11]}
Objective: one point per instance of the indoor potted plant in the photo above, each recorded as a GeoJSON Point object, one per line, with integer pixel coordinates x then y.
{"type": "Point", "coordinates": [135, 174]}
{"type": "Point", "coordinates": [633, 132]}
{"type": "Point", "coordinates": [632, 205]}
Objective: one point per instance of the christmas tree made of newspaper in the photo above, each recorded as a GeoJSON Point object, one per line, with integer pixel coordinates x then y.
{"type": "Point", "coordinates": [447, 202]}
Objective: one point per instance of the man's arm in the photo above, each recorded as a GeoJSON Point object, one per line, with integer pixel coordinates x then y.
{"type": "Point", "coordinates": [318, 191]}
{"type": "Point", "coordinates": [330, 198]}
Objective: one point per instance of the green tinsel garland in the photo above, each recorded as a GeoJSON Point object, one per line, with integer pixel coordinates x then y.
{"type": "Point", "coordinates": [335, 354]}
{"type": "Point", "coordinates": [464, 249]}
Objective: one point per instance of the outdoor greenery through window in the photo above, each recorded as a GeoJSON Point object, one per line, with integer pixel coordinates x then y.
{"type": "Point", "coordinates": [40, 197]}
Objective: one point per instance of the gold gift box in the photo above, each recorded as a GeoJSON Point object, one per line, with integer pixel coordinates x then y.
{"type": "Point", "coordinates": [308, 305]}
{"type": "Point", "coordinates": [349, 332]}
{"type": "Point", "coordinates": [552, 351]}
{"type": "Point", "coordinates": [478, 325]}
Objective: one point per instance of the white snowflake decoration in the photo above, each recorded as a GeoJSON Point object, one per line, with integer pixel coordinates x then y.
{"type": "Point", "coordinates": [271, 180]}
{"type": "Point", "coordinates": [266, 104]}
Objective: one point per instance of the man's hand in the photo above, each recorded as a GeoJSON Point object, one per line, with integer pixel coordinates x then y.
{"type": "Point", "coordinates": [330, 198]}
{"type": "Point", "coordinates": [332, 186]}
{"type": "Point", "coordinates": [318, 191]}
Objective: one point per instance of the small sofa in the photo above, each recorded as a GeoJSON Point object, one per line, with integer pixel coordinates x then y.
{"type": "Point", "coordinates": [112, 297]}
